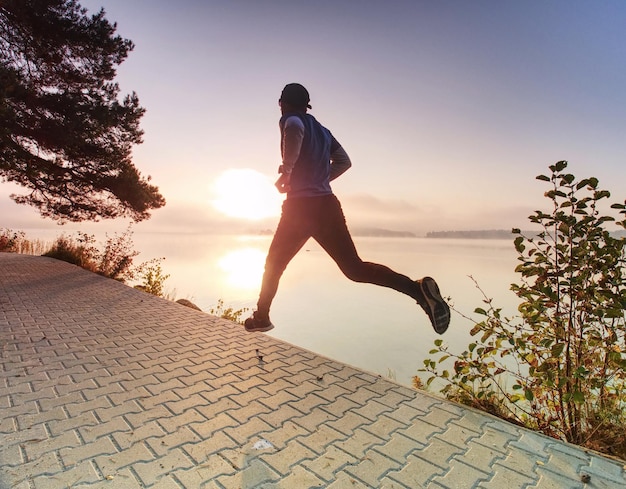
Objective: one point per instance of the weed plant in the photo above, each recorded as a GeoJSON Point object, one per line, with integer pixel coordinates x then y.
{"type": "Point", "coordinates": [115, 259]}
{"type": "Point", "coordinates": [16, 242]}
{"type": "Point", "coordinates": [229, 313]}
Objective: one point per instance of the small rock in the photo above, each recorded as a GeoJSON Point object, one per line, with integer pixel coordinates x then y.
{"type": "Point", "coordinates": [186, 303]}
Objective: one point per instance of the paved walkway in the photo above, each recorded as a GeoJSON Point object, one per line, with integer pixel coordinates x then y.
{"type": "Point", "coordinates": [103, 386]}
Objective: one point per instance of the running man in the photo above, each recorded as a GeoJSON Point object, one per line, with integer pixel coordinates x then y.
{"type": "Point", "coordinates": [311, 159]}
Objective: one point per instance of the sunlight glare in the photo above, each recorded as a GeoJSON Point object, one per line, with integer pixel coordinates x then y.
{"type": "Point", "coordinates": [247, 194]}
{"type": "Point", "coordinates": [243, 267]}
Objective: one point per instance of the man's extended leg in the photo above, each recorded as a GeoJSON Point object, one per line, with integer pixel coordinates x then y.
{"type": "Point", "coordinates": [333, 235]}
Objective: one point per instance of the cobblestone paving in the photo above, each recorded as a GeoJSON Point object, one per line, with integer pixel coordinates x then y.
{"type": "Point", "coordinates": [103, 386]}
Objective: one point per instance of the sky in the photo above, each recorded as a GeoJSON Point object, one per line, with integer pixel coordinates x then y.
{"type": "Point", "coordinates": [449, 109]}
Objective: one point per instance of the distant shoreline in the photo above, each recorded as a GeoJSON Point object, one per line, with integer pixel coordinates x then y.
{"type": "Point", "coordinates": [388, 233]}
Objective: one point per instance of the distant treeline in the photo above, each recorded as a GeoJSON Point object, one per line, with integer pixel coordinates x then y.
{"type": "Point", "coordinates": [494, 234]}
{"type": "Point", "coordinates": [485, 234]}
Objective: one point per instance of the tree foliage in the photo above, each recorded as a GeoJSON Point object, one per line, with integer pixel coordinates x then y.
{"type": "Point", "coordinates": [64, 134]}
{"type": "Point", "coordinates": [559, 367]}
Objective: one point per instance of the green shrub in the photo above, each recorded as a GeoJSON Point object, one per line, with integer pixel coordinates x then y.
{"type": "Point", "coordinates": [559, 367]}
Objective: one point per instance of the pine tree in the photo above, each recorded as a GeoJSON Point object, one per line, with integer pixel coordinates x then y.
{"type": "Point", "coordinates": [64, 133]}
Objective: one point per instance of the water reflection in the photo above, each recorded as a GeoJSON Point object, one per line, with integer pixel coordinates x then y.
{"type": "Point", "coordinates": [243, 268]}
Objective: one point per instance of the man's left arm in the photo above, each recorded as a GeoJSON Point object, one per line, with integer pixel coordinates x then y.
{"type": "Point", "coordinates": [291, 145]}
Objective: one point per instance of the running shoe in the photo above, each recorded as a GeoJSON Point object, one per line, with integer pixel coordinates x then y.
{"type": "Point", "coordinates": [258, 324]}
{"type": "Point", "coordinates": [434, 305]}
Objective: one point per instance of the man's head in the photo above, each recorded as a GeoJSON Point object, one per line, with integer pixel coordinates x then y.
{"type": "Point", "coordinates": [294, 97]}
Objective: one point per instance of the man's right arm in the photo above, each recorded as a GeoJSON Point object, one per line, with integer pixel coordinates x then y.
{"type": "Point", "coordinates": [339, 162]}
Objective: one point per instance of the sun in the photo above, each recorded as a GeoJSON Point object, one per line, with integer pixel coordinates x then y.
{"type": "Point", "coordinates": [246, 194]}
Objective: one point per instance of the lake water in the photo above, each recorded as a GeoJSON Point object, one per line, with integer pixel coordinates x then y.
{"type": "Point", "coordinates": [317, 308]}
